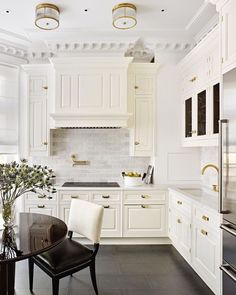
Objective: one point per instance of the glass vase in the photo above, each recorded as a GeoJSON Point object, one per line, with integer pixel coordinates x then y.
{"type": "Point", "coordinates": [8, 213]}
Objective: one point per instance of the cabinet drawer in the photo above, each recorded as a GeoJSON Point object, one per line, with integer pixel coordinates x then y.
{"type": "Point", "coordinates": [180, 203]}
{"type": "Point", "coordinates": [100, 196]}
{"type": "Point", "coordinates": [69, 195]}
{"type": "Point", "coordinates": [42, 209]}
{"type": "Point", "coordinates": [144, 197]}
{"type": "Point", "coordinates": [32, 197]}
{"type": "Point", "coordinates": [145, 221]}
{"type": "Point", "coordinates": [207, 218]}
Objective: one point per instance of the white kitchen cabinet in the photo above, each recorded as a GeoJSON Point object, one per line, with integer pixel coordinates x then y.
{"type": "Point", "coordinates": [228, 40]}
{"type": "Point", "coordinates": [38, 95]}
{"type": "Point", "coordinates": [195, 232]}
{"type": "Point", "coordinates": [42, 208]}
{"type": "Point", "coordinates": [144, 220]}
{"type": "Point", "coordinates": [141, 84]}
{"type": "Point", "coordinates": [200, 71]}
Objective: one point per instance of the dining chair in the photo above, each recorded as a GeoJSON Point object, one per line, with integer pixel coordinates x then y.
{"type": "Point", "coordinates": [70, 256]}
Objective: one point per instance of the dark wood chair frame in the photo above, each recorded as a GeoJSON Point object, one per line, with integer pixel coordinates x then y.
{"type": "Point", "coordinates": [57, 276]}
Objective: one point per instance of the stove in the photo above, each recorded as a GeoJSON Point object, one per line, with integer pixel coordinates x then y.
{"type": "Point", "coordinates": [90, 184]}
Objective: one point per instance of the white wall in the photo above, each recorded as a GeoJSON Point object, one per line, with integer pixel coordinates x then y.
{"type": "Point", "coordinates": [173, 163]}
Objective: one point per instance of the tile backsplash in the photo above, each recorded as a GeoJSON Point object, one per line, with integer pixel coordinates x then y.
{"type": "Point", "coordinates": [107, 150]}
{"type": "Point", "coordinates": [209, 155]}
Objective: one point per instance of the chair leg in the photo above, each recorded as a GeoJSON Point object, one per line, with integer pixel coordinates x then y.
{"type": "Point", "coordinates": [55, 286]}
{"type": "Point", "coordinates": [31, 274]}
{"type": "Point", "coordinates": [93, 276]}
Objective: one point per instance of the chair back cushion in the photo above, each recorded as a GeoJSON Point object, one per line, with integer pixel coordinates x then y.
{"type": "Point", "coordinates": [85, 218]}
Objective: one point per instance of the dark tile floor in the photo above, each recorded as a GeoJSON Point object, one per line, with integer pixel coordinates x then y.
{"type": "Point", "coordinates": [124, 270]}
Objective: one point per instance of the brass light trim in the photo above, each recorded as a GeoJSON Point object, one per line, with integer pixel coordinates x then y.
{"type": "Point", "coordinates": [50, 12]}
{"type": "Point", "coordinates": [123, 14]}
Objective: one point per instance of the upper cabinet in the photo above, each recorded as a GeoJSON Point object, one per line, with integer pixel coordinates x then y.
{"type": "Point", "coordinates": [200, 75]}
{"type": "Point", "coordinates": [141, 97]}
{"type": "Point", "coordinates": [90, 92]}
{"type": "Point", "coordinates": [38, 90]}
{"type": "Point", "coordinates": [228, 40]}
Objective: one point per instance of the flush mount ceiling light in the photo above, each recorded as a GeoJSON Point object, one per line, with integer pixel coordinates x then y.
{"type": "Point", "coordinates": [124, 16]}
{"type": "Point", "coordinates": [47, 16]}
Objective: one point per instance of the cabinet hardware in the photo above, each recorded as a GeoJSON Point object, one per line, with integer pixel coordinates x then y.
{"type": "Point", "coordinates": [78, 162]}
{"type": "Point", "coordinates": [179, 203]}
{"type": "Point", "coordinates": [106, 206]}
{"type": "Point", "coordinates": [204, 217]}
{"type": "Point", "coordinates": [193, 131]}
{"type": "Point", "coordinates": [222, 60]}
{"type": "Point", "coordinates": [74, 197]}
{"type": "Point", "coordinates": [41, 196]}
{"type": "Point", "coordinates": [178, 220]}
{"type": "Point", "coordinates": [135, 87]}
{"type": "Point", "coordinates": [144, 206]}
{"type": "Point", "coordinates": [193, 79]}
{"type": "Point", "coordinates": [205, 233]}
{"type": "Point", "coordinates": [45, 143]}
{"type": "Point", "coordinates": [41, 206]}
{"type": "Point", "coordinates": [45, 87]}
{"type": "Point", "coordinates": [106, 197]}
{"type": "Point", "coordinates": [145, 196]}
{"type": "Point", "coordinates": [136, 143]}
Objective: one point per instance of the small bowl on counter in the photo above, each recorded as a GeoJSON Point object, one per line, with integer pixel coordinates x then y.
{"type": "Point", "coordinates": [132, 179]}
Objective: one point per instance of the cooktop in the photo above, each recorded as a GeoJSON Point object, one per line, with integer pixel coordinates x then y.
{"type": "Point", "coordinates": [90, 184]}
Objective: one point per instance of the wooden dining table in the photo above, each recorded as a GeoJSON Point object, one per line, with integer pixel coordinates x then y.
{"type": "Point", "coordinates": [31, 235]}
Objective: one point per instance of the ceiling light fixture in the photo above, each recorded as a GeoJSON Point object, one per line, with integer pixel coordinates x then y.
{"type": "Point", "coordinates": [47, 16]}
{"type": "Point", "coordinates": [124, 16]}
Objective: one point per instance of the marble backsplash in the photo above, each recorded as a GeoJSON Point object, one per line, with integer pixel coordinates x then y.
{"type": "Point", "coordinates": [107, 150]}
{"type": "Point", "coordinates": [209, 155]}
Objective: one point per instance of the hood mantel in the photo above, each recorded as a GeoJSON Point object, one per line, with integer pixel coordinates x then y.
{"type": "Point", "coordinates": [90, 91]}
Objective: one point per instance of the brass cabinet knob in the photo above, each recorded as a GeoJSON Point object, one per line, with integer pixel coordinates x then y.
{"type": "Point", "coordinates": [136, 143]}
{"type": "Point", "coordinates": [193, 132]}
{"type": "Point", "coordinates": [45, 87]}
{"type": "Point", "coordinates": [135, 87]}
{"type": "Point", "coordinates": [206, 218]}
{"type": "Point", "coordinates": [205, 233]}
{"type": "Point", "coordinates": [45, 143]}
{"type": "Point", "coordinates": [178, 220]}
{"type": "Point", "coordinates": [106, 206]}
{"type": "Point", "coordinates": [179, 203]}
{"type": "Point", "coordinates": [144, 206]}
{"type": "Point", "coordinates": [193, 79]}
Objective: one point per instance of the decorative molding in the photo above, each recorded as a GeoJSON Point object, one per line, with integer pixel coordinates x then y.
{"type": "Point", "coordinates": [13, 50]}
{"type": "Point", "coordinates": [196, 16]}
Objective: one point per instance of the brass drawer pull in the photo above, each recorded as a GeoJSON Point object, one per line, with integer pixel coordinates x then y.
{"type": "Point", "coordinates": [204, 217]}
{"type": "Point", "coordinates": [45, 87]}
{"type": "Point", "coordinates": [205, 233]}
{"type": "Point", "coordinates": [179, 220]}
{"type": "Point", "coordinates": [74, 197]}
{"type": "Point", "coordinates": [179, 203]}
{"type": "Point", "coordinates": [45, 143]}
{"type": "Point", "coordinates": [41, 196]}
{"type": "Point", "coordinates": [145, 196]}
{"type": "Point", "coordinates": [193, 79]}
{"type": "Point", "coordinates": [106, 197]}
{"type": "Point", "coordinates": [41, 206]}
{"type": "Point", "coordinates": [136, 143]}
{"type": "Point", "coordinates": [136, 87]}
{"type": "Point", "coordinates": [106, 206]}
{"type": "Point", "coordinates": [144, 206]}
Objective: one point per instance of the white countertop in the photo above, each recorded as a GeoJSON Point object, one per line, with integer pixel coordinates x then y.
{"type": "Point", "coordinates": [200, 195]}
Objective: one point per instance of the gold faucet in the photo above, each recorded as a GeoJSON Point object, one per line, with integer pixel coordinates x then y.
{"type": "Point", "coordinates": [215, 187]}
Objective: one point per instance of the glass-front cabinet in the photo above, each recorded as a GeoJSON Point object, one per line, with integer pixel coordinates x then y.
{"type": "Point", "coordinates": [201, 116]}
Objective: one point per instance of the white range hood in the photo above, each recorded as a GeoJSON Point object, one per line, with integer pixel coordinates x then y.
{"type": "Point", "coordinates": [90, 92]}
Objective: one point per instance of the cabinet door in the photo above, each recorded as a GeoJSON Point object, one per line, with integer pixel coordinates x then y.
{"type": "Point", "coordinates": [111, 225]}
{"type": "Point", "coordinates": [184, 236]}
{"type": "Point", "coordinates": [144, 84]}
{"type": "Point", "coordinates": [206, 254]}
{"type": "Point", "coordinates": [143, 127]}
{"type": "Point", "coordinates": [201, 113]}
{"type": "Point", "coordinates": [145, 221]}
{"type": "Point", "coordinates": [188, 118]}
{"type": "Point", "coordinates": [228, 39]}
{"type": "Point", "coordinates": [216, 107]}
{"type": "Point", "coordinates": [38, 135]}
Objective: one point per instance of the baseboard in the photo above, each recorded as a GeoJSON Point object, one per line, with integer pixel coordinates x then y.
{"type": "Point", "coordinates": [131, 241]}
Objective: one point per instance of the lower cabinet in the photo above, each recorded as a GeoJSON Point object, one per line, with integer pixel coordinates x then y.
{"type": "Point", "coordinates": [45, 208]}
{"type": "Point", "coordinates": [197, 238]}
{"type": "Point", "coordinates": [144, 220]}
{"type": "Point", "coordinates": [180, 232]}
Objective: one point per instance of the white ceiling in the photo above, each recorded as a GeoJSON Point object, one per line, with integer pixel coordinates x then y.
{"type": "Point", "coordinates": [185, 17]}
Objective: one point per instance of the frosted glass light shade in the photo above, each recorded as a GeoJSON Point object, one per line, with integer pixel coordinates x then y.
{"type": "Point", "coordinates": [124, 16]}
{"type": "Point", "coordinates": [47, 16]}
